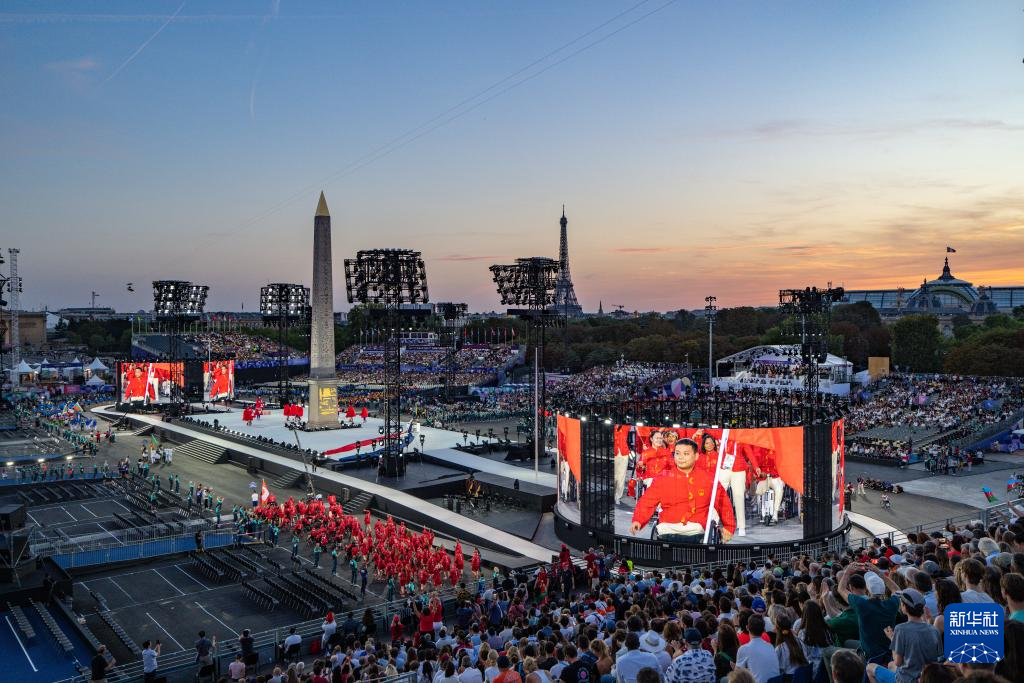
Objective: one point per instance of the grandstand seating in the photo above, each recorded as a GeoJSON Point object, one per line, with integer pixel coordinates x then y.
{"type": "Point", "coordinates": [21, 621]}
{"type": "Point", "coordinates": [201, 564]}
{"type": "Point", "coordinates": [263, 600]}
{"type": "Point", "coordinates": [122, 635]}
{"type": "Point", "coordinates": [287, 595]}
{"type": "Point", "coordinates": [58, 635]}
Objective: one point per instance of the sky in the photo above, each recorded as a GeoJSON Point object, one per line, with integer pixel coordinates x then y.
{"type": "Point", "coordinates": [700, 148]}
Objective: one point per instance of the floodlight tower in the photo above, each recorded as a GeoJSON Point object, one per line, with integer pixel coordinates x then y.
{"type": "Point", "coordinates": [283, 304]}
{"type": "Point", "coordinates": [710, 314]}
{"type": "Point", "coordinates": [812, 309]}
{"type": "Point", "coordinates": [177, 302]}
{"type": "Point", "coordinates": [531, 282]}
{"type": "Point", "coordinates": [386, 279]}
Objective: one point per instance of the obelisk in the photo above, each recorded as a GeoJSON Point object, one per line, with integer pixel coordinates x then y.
{"type": "Point", "coordinates": [323, 382]}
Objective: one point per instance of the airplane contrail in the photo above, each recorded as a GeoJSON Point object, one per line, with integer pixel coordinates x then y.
{"type": "Point", "coordinates": [143, 46]}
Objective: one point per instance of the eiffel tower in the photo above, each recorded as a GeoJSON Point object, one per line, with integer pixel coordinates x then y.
{"type": "Point", "coordinates": [565, 296]}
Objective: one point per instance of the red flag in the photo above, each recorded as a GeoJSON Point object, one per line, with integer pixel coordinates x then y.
{"type": "Point", "coordinates": [264, 492]}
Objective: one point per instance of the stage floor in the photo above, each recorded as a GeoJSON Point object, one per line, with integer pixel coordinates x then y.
{"type": "Point", "coordinates": [438, 443]}
{"type": "Point", "coordinates": [788, 530]}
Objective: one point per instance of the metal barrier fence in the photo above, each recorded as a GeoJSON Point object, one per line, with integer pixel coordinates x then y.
{"type": "Point", "coordinates": [71, 555]}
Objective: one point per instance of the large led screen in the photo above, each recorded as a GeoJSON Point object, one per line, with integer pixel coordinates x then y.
{"type": "Point", "coordinates": [663, 478]}
{"type": "Point", "coordinates": [218, 380]}
{"type": "Point", "coordinates": [150, 383]}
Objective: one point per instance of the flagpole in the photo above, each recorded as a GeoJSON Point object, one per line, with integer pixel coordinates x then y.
{"type": "Point", "coordinates": [714, 484]}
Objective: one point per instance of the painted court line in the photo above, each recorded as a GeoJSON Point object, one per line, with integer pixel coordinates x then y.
{"type": "Point", "coordinates": [30, 662]}
{"type": "Point", "coordinates": [82, 505]}
{"type": "Point", "coordinates": [217, 620]}
{"type": "Point", "coordinates": [111, 580]}
{"type": "Point", "coordinates": [180, 592]}
{"type": "Point", "coordinates": [164, 630]}
{"type": "Point", "coordinates": [178, 567]}
{"type": "Point", "coordinates": [105, 530]}
{"type": "Point", "coordinates": [121, 505]}
{"type": "Point", "coordinates": [73, 518]}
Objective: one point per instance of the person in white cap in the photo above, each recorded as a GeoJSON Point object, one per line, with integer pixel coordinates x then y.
{"type": "Point", "coordinates": [874, 613]}
{"type": "Point", "coordinates": [652, 642]}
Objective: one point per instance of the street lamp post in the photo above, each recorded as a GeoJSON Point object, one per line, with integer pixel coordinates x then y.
{"type": "Point", "coordinates": [710, 313]}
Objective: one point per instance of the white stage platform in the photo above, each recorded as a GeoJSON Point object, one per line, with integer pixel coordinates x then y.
{"type": "Point", "coordinates": [438, 443]}
{"type": "Point", "coordinates": [513, 544]}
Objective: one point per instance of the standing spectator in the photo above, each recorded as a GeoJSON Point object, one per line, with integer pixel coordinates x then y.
{"type": "Point", "coordinates": [757, 656]}
{"type": "Point", "coordinates": [150, 652]}
{"type": "Point", "coordinates": [204, 647]}
{"type": "Point", "coordinates": [100, 665]}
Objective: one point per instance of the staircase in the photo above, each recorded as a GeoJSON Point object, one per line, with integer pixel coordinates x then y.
{"type": "Point", "coordinates": [288, 479]}
{"type": "Point", "coordinates": [201, 450]}
{"type": "Point", "coordinates": [142, 431]}
{"type": "Point", "coordinates": [357, 503]}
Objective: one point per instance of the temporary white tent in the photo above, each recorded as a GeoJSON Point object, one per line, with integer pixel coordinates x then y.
{"type": "Point", "coordinates": [23, 368]}
{"type": "Point", "coordinates": [97, 365]}
{"type": "Point", "coordinates": [94, 381]}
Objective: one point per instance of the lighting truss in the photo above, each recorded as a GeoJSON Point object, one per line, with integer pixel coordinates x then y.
{"type": "Point", "coordinates": [281, 299]}
{"type": "Point", "coordinates": [284, 304]}
{"type": "Point", "coordinates": [811, 309]}
{"type": "Point", "coordinates": [531, 282]}
{"type": "Point", "coordinates": [388, 278]}
{"type": "Point", "coordinates": [528, 282]}
{"type": "Point", "coordinates": [178, 298]}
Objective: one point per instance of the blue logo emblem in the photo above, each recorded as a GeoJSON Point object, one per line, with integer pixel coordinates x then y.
{"type": "Point", "coordinates": [974, 633]}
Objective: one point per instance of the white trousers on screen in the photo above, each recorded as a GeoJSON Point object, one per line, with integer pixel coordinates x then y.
{"type": "Point", "coordinates": [621, 465]}
{"type": "Point", "coordinates": [776, 485]}
{"type": "Point", "coordinates": [736, 482]}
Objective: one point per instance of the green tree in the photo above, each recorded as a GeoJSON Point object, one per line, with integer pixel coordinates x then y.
{"type": "Point", "coordinates": [917, 343]}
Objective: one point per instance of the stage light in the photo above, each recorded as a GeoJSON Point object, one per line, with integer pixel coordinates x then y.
{"type": "Point", "coordinates": [10, 464]}
{"type": "Point", "coordinates": [41, 460]}
{"type": "Point", "coordinates": [675, 425]}
{"type": "Point", "coordinates": [607, 421]}
{"type": "Point", "coordinates": [178, 298]}
{"type": "Point", "coordinates": [583, 418]}
{"type": "Point", "coordinates": [639, 424]}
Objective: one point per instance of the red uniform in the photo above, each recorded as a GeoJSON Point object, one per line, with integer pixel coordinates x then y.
{"type": "Point", "coordinates": [654, 461]}
{"type": "Point", "coordinates": [684, 498]}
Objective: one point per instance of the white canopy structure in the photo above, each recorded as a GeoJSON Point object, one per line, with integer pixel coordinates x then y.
{"type": "Point", "coordinates": [778, 367]}
{"type": "Point", "coordinates": [23, 368]}
{"type": "Point", "coordinates": [97, 365]}
{"type": "Point", "coordinates": [95, 381]}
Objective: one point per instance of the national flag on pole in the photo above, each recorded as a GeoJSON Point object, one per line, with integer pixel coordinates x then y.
{"type": "Point", "coordinates": [264, 491]}
{"type": "Point", "coordinates": [950, 250]}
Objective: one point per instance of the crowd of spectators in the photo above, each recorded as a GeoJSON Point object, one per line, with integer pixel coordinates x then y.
{"type": "Point", "coordinates": [619, 381]}
{"type": "Point", "coordinates": [874, 612]}
{"type": "Point", "coordinates": [939, 402]}
{"type": "Point", "coordinates": [505, 405]}
{"type": "Point", "coordinates": [242, 346]}
{"type": "Point", "coordinates": [424, 366]}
